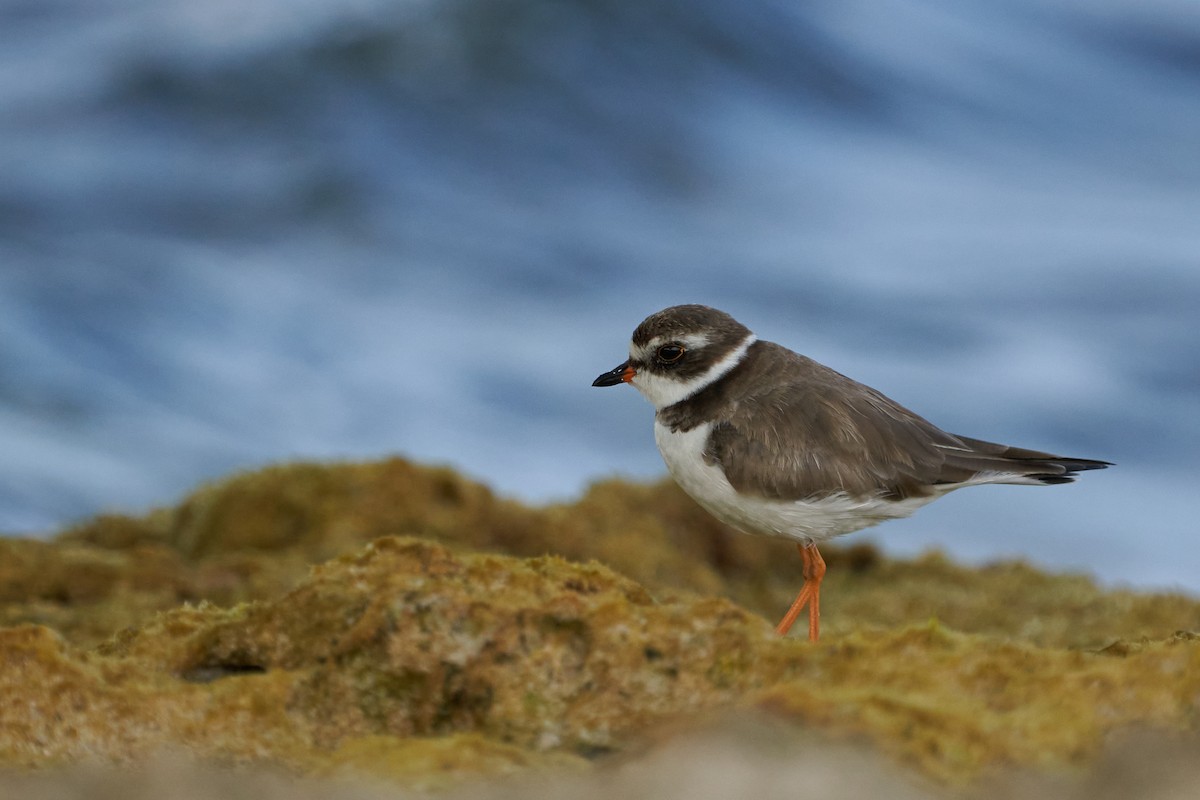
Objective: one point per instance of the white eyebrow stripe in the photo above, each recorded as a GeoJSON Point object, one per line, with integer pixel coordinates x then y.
{"type": "Point", "coordinates": [690, 341]}
{"type": "Point", "coordinates": [694, 340]}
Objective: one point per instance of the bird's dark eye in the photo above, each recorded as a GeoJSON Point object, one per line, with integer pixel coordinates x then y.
{"type": "Point", "coordinates": [670, 353]}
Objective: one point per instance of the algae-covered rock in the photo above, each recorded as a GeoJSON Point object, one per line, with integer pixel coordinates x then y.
{"type": "Point", "coordinates": [254, 535]}
{"type": "Point", "coordinates": [403, 623]}
{"type": "Point", "coordinates": [406, 639]}
{"type": "Point", "coordinates": [956, 706]}
{"type": "Point", "coordinates": [87, 592]}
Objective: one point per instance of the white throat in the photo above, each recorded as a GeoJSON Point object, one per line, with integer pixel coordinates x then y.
{"type": "Point", "coordinates": [665, 390]}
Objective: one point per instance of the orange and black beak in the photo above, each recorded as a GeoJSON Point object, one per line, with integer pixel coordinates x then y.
{"type": "Point", "coordinates": [620, 374]}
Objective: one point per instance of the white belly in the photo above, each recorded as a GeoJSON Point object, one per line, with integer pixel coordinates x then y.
{"type": "Point", "coordinates": [811, 520]}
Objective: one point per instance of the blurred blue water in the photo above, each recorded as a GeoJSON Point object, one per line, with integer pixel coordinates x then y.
{"type": "Point", "coordinates": [233, 233]}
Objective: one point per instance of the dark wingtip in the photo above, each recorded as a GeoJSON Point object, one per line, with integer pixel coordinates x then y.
{"type": "Point", "coordinates": [1072, 467]}
{"type": "Point", "coordinates": [1051, 480]}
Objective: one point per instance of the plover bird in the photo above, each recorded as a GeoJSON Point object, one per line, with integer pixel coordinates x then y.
{"type": "Point", "coordinates": [773, 443]}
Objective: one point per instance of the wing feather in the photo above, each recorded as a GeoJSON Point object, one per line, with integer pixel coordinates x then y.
{"type": "Point", "coordinates": [818, 432]}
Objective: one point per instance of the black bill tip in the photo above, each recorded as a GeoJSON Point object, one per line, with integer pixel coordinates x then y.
{"type": "Point", "coordinates": [622, 373]}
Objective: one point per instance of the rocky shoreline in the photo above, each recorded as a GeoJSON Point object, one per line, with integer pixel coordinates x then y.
{"type": "Point", "coordinates": [401, 624]}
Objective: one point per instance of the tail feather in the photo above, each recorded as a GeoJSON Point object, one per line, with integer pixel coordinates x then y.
{"type": "Point", "coordinates": [1019, 463]}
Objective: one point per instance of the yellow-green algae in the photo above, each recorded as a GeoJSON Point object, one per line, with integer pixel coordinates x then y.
{"type": "Point", "coordinates": [418, 660]}
{"type": "Point", "coordinates": [253, 535]}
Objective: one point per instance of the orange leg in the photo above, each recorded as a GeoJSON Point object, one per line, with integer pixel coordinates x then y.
{"type": "Point", "coordinates": [810, 594]}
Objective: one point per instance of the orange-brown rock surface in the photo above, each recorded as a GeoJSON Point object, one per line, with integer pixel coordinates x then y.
{"type": "Point", "coordinates": [401, 622]}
